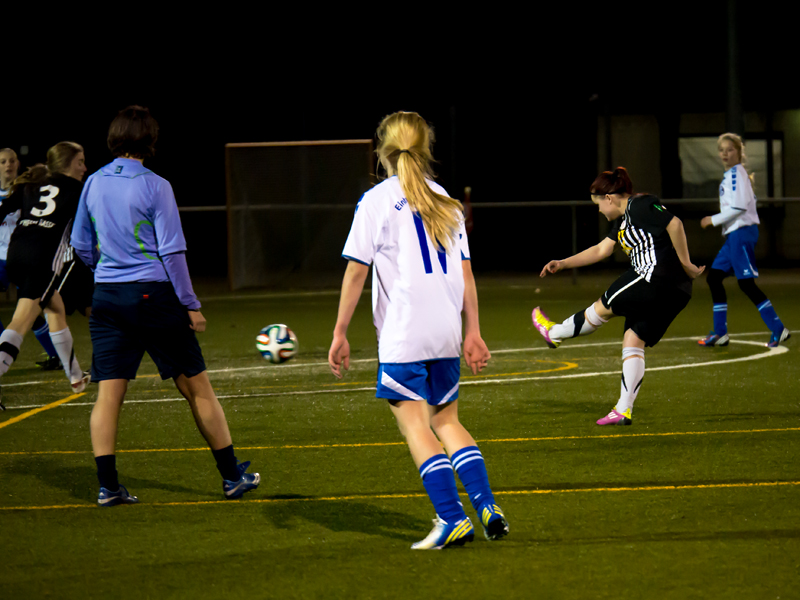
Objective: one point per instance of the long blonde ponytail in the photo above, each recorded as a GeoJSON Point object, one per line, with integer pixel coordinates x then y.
{"type": "Point", "coordinates": [404, 149]}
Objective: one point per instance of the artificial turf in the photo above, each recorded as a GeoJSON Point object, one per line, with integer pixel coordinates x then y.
{"type": "Point", "coordinates": [699, 498]}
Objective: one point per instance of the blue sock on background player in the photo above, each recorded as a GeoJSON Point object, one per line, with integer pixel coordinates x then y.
{"type": "Point", "coordinates": [440, 483]}
{"type": "Point", "coordinates": [721, 319]}
{"type": "Point", "coordinates": [770, 317]}
{"type": "Point", "coordinates": [468, 463]}
{"type": "Point", "coordinates": [42, 333]}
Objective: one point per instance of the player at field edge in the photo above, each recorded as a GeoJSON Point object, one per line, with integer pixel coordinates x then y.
{"type": "Point", "coordinates": [9, 169]}
{"type": "Point", "coordinates": [128, 230]}
{"type": "Point", "coordinates": [649, 295]}
{"type": "Point", "coordinates": [739, 221]}
{"type": "Point", "coordinates": [412, 233]}
{"type": "Point", "coordinates": [46, 197]}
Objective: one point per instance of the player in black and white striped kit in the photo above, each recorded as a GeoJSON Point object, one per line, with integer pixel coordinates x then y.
{"type": "Point", "coordinates": [649, 295]}
{"type": "Point", "coordinates": [47, 200]}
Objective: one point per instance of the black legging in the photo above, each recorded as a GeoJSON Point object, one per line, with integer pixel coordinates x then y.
{"type": "Point", "coordinates": [748, 286]}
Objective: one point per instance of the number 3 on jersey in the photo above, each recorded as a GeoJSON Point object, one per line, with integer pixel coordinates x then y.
{"type": "Point", "coordinates": [423, 245]}
{"type": "Point", "coordinates": [47, 193]}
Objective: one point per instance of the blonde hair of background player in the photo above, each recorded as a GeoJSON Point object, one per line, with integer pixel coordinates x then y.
{"type": "Point", "coordinates": [402, 131]}
{"type": "Point", "coordinates": [738, 144]}
{"type": "Point", "coordinates": [60, 156]}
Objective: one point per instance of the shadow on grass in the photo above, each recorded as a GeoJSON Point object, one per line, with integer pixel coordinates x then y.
{"type": "Point", "coordinates": [352, 516]}
{"type": "Point", "coordinates": [81, 481]}
{"type": "Point", "coordinates": [676, 536]}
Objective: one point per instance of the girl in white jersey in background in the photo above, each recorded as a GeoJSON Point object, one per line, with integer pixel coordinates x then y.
{"type": "Point", "coordinates": [413, 234]}
{"type": "Point", "coordinates": [739, 221]}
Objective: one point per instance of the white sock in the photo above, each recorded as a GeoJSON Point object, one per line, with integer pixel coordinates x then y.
{"type": "Point", "coordinates": [632, 376]}
{"type": "Point", "coordinates": [10, 343]}
{"type": "Point", "coordinates": [581, 323]}
{"type": "Point", "coordinates": [62, 340]}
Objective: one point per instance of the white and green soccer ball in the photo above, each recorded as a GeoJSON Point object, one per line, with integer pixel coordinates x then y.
{"type": "Point", "coordinates": [277, 343]}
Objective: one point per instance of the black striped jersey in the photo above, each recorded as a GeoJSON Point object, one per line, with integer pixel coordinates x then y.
{"type": "Point", "coordinates": [642, 234]}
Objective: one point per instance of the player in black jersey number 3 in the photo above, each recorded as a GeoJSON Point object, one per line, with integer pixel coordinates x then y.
{"type": "Point", "coordinates": [649, 295]}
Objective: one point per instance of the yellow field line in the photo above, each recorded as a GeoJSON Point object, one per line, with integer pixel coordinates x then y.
{"type": "Point", "coordinates": [382, 444]}
{"type": "Point", "coordinates": [650, 488]}
{"type": "Point", "coordinates": [30, 413]}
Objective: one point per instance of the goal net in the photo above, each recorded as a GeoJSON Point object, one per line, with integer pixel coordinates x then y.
{"type": "Point", "coordinates": [290, 206]}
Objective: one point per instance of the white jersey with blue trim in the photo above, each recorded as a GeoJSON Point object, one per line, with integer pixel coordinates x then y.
{"type": "Point", "coordinates": [6, 227]}
{"type": "Point", "coordinates": [737, 202]}
{"type": "Point", "coordinates": [417, 291]}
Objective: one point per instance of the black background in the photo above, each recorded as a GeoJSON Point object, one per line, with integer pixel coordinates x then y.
{"type": "Point", "coordinates": [514, 97]}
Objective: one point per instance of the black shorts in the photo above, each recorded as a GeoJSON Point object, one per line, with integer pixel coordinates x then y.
{"type": "Point", "coordinates": [129, 319]}
{"type": "Point", "coordinates": [648, 308]}
{"type": "Point", "coordinates": [76, 286]}
{"type": "Point", "coordinates": [31, 270]}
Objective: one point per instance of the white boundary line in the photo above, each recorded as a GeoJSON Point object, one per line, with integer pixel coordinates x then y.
{"type": "Point", "coordinates": [770, 352]}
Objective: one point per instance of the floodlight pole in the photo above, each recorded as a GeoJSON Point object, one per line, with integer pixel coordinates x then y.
{"type": "Point", "coordinates": [734, 119]}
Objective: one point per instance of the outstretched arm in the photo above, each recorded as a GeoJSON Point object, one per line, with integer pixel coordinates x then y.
{"type": "Point", "coordinates": [588, 257]}
{"type": "Point", "coordinates": [476, 353]}
{"type": "Point", "coordinates": [352, 285]}
{"type": "Point", "coordinates": [678, 237]}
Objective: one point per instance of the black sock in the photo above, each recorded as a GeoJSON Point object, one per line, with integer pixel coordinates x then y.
{"type": "Point", "coordinates": [107, 472]}
{"type": "Point", "coordinates": [226, 463]}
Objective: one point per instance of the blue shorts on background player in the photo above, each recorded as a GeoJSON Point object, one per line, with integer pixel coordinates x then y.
{"type": "Point", "coordinates": [739, 221]}
{"type": "Point", "coordinates": [399, 227]}
{"type": "Point", "coordinates": [128, 230]}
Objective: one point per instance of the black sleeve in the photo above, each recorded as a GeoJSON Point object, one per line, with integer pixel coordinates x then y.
{"type": "Point", "coordinates": [648, 213]}
{"type": "Point", "coordinates": [612, 233]}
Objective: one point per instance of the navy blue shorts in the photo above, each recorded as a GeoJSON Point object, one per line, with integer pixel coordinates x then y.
{"type": "Point", "coordinates": [738, 254]}
{"type": "Point", "coordinates": [129, 319]}
{"type": "Point", "coordinates": [432, 381]}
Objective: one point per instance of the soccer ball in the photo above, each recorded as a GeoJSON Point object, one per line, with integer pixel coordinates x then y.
{"type": "Point", "coordinates": [277, 343]}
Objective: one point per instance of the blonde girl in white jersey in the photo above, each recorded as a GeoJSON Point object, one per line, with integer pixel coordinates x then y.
{"type": "Point", "coordinates": [412, 233]}
{"type": "Point", "coordinates": [739, 221]}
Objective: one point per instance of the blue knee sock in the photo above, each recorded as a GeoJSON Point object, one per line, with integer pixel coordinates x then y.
{"type": "Point", "coordinates": [770, 317]}
{"type": "Point", "coordinates": [721, 319]}
{"type": "Point", "coordinates": [440, 483]}
{"type": "Point", "coordinates": [468, 463]}
{"type": "Point", "coordinates": [43, 335]}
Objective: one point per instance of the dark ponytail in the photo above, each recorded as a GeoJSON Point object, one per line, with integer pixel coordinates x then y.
{"type": "Point", "coordinates": [612, 182]}
{"type": "Point", "coordinates": [35, 175]}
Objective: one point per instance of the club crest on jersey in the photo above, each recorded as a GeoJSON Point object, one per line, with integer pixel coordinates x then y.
{"type": "Point", "coordinates": [118, 170]}
{"type": "Point", "coordinates": [401, 204]}
{"type": "Point", "coordinates": [621, 238]}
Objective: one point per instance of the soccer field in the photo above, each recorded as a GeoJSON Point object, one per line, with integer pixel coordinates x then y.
{"type": "Point", "coordinates": [699, 498]}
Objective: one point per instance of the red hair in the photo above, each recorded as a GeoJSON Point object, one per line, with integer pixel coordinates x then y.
{"type": "Point", "coordinates": [612, 182]}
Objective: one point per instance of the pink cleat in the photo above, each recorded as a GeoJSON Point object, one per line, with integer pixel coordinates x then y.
{"type": "Point", "coordinates": [616, 418]}
{"type": "Point", "coordinates": [543, 326]}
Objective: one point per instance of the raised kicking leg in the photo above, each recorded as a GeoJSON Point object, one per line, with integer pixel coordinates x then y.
{"type": "Point", "coordinates": [581, 323]}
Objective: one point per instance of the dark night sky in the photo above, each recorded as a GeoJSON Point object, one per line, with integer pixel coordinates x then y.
{"type": "Point", "coordinates": [508, 94]}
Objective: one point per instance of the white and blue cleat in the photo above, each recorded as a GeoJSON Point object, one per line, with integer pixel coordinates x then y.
{"type": "Point", "coordinates": [443, 535]}
{"type": "Point", "coordinates": [121, 496]}
{"type": "Point", "coordinates": [246, 482]}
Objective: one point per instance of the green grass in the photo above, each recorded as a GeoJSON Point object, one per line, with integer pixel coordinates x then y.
{"type": "Point", "coordinates": [698, 499]}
